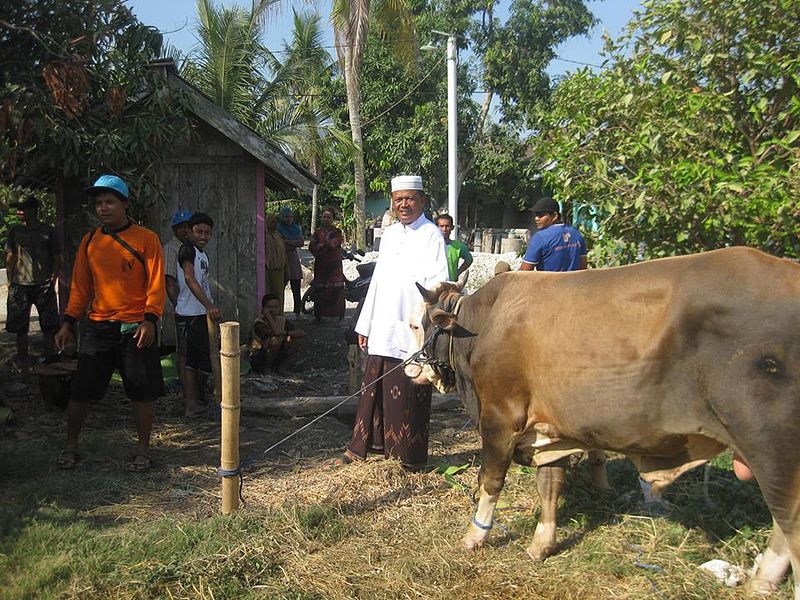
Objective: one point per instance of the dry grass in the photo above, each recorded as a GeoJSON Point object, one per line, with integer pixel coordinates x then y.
{"type": "Point", "coordinates": [366, 530]}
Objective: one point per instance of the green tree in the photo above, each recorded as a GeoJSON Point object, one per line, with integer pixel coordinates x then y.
{"type": "Point", "coordinates": [516, 54]}
{"type": "Point", "coordinates": [77, 97]}
{"type": "Point", "coordinates": [689, 140]}
{"type": "Point", "coordinates": [300, 119]}
{"type": "Point", "coordinates": [404, 109]}
{"type": "Point", "coordinates": [351, 21]}
{"type": "Point", "coordinates": [230, 62]}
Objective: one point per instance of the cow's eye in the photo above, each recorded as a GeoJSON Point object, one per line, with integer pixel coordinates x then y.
{"type": "Point", "coordinates": [771, 365]}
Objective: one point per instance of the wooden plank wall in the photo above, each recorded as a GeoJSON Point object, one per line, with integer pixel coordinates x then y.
{"type": "Point", "coordinates": [217, 177]}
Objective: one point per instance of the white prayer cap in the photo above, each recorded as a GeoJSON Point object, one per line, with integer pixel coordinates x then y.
{"type": "Point", "coordinates": [406, 182]}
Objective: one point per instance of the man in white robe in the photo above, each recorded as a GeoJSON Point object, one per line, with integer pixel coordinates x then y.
{"type": "Point", "coordinates": [394, 413]}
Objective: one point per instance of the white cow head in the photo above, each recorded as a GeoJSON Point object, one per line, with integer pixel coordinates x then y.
{"type": "Point", "coordinates": [423, 320]}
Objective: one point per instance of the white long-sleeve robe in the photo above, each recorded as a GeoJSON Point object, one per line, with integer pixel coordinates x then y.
{"type": "Point", "coordinates": [409, 254]}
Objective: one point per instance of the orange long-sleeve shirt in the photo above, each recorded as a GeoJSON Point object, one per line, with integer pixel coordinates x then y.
{"type": "Point", "coordinates": [113, 284]}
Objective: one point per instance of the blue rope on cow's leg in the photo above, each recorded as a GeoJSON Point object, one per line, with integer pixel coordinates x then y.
{"type": "Point", "coordinates": [481, 525]}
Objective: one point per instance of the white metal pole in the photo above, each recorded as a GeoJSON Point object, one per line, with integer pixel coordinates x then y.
{"type": "Point", "coordinates": [452, 133]}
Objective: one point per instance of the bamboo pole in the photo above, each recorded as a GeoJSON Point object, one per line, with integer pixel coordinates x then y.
{"type": "Point", "coordinates": [213, 344]}
{"type": "Point", "coordinates": [230, 408]}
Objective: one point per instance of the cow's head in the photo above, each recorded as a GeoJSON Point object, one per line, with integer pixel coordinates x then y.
{"type": "Point", "coordinates": [433, 316]}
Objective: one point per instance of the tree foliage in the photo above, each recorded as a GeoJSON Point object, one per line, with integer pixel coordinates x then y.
{"type": "Point", "coordinates": [690, 139]}
{"type": "Point", "coordinates": [516, 53]}
{"type": "Point", "coordinates": [404, 106]}
{"type": "Point", "coordinates": [351, 20]}
{"type": "Point", "coordinates": [230, 61]}
{"type": "Point", "coordinates": [77, 97]}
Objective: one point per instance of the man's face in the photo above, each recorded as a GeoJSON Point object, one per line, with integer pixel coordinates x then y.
{"type": "Point", "coordinates": [183, 232]}
{"type": "Point", "coordinates": [201, 233]}
{"type": "Point", "coordinates": [327, 219]}
{"type": "Point", "coordinates": [110, 209]}
{"type": "Point", "coordinates": [446, 227]}
{"type": "Point", "coordinates": [272, 307]}
{"type": "Point", "coordinates": [408, 204]}
{"type": "Point", "coordinates": [543, 220]}
{"type": "Point", "coordinates": [272, 223]}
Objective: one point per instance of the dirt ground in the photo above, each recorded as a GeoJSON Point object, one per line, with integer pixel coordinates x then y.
{"type": "Point", "coordinates": [183, 447]}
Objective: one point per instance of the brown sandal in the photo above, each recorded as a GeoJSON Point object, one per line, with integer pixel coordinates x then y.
{"type": "Point", "coordinates": [140, 463]}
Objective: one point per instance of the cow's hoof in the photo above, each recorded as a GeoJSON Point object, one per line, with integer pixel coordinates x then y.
{"type": "Point", "coordinates": [763, 587]}
{"type": "Point", "coordinates": [539, 553]}
{"type": "Point", "coordinates": [471, 542]}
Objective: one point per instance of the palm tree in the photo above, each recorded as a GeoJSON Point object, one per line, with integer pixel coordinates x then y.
{"type": "Point", "coordinates": [230, 60]}
{"type": "Point", "coordinates": [393, 20]}
{"type": "Point", "coordinates": [300, 119]}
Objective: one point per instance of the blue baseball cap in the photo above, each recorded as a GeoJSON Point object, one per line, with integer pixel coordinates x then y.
{"type": "Point", "coordinates": [181, 216]}
{"type": "Point", "coordinates": [108, 183]}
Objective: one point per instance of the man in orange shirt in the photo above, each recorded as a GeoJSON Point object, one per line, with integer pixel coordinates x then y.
{"type": "Point", "coordinates": [119, 277]}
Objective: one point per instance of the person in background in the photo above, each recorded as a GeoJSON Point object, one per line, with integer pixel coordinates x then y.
{"type": "Point", "coordinates": [33, 259]}
{"type": "Point", "coordinates": [275, 250]}
{"type": "Point", "coordinates": [293, 238]}
{"type": "Point", "coordinates": [555, 246]}
{"type": "Point", "coordinates": [182, 232]}
{"type": "Point", "coordinates": [274, 338]}
{"type": "Point", "coordinates": [194, 303]}
{"type": "Point", "coordinates": [118, 277]}
{"type": "Point", "coordinates": [393, 414]}
{"type": "Point", "coordinates": [457, 250]}
{"type": "Point", "coordinates": [326, 246]}
{"type": "Point", "coordinates": [382, 223]}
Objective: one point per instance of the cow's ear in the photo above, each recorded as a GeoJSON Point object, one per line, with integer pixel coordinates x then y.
{"type": "Point", "coordinates": [443, 319]}
{"type": "Point", "coordinates": [430, 296]}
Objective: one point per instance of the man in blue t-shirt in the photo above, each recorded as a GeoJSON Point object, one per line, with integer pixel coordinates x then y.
{"type": "Point", "coordinates": [555, 246]}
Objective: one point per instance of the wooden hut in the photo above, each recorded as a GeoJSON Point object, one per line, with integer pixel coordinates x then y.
{"type": "Point", "coordinates": [224, 172]}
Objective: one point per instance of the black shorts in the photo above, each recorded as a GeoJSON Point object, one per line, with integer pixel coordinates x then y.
{"type": "Point", "coordinates": [103, 349]}
{"type": "Point", "coordinates": [20, 300]}
{"type": "Point", "coordinates": [198, 351]}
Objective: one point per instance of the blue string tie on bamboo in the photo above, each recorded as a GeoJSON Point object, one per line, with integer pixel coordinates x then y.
{"type": "Point", "coordinates": [229, 472]}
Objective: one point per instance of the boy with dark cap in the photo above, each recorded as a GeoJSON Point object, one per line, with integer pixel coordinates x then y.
{"type": "Point", "coordinates": [182, 231]}
{"type": "Point", "coordinates": [555, 246]}
{"type": "Point", "coordinates": [33, 259]}
{"type": "Point", "coordinates": [118, 277]}
{"type": "Point", "coordinates": [194, 303]}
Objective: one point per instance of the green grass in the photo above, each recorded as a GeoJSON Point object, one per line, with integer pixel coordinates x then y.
{"type": "Point", "coordinates": [56, 553]}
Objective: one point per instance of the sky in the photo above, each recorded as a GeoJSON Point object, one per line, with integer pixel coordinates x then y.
{"type": "Point", "coordinates": [177, 19]}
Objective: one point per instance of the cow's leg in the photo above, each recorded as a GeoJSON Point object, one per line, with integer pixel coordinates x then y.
{"type": "Point", "coordinates": [774, 564]}
{"type": "Point", "coordinates": [549, 480]}
{"type": "Point", "coordinates": [496, 458]}
{"type": "Point", "coordinates": [597, 469]}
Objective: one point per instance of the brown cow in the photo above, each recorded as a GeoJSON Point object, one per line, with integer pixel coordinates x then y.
{"type": "Point", "coordinates": [668, 362]}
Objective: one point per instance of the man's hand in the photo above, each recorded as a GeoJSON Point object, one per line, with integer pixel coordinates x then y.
{"type": "Point", "coordinates": [145, 334]}
{"type": "Point", "coordinates": [362, 341]}
{"type": "Point", "coordinates": [64, 336]}
{"type": "Point", "coordinates": [213, 312]}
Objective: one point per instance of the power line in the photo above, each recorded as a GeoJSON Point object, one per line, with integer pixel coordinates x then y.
{"type": "Point", "coordinates": [415, 41]}
{"type": "Point", "coordinates": [412, 90]}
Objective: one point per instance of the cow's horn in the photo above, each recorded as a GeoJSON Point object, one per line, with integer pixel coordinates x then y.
{"type": "Point", "coordinates": [427, 295]}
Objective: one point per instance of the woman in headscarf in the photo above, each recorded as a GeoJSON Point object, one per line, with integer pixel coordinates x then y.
{"type": "Point", "coordinates": [326, 246]}
{"type": "Point", "coordinates": [293, 238]}
{"type": "Point", "coordinates": [275, 259]}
